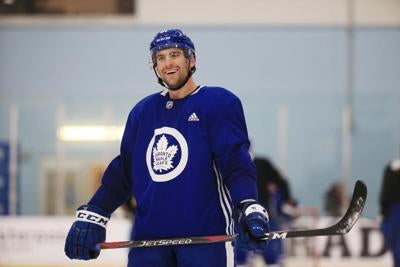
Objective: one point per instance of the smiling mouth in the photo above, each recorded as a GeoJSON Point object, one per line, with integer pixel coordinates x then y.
{"type": "Point", "coordinates": [171, 72]}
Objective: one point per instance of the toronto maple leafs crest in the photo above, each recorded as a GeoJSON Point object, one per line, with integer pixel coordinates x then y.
{"type": "Point", "coordinates": [167, 154]}
{"type": "Point", "coordinates": [163, 155]}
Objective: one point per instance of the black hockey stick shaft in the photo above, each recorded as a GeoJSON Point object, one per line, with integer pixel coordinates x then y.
{"type": "Point", "coordinates": [345, 224]}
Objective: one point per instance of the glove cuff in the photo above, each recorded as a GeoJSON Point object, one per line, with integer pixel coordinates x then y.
{"type": "Point", "coordinates": [249, 206]}
{"type": "Point", "coordinates": [92, 214]}
{"type": "Point", "coordinates": [255, 207]}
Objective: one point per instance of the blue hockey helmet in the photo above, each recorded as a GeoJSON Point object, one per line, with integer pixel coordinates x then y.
{"type": "Point", "coordinates": [169, 39]}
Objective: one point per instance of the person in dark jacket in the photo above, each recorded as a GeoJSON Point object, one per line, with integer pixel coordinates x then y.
{"type": "Point", "coordinates": [389, 201]}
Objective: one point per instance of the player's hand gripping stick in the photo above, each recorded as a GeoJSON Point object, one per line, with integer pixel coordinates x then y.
{"type": "Point", "coordinates": [86, 232]}
{"type": "Point", "coordinates": [252, 226]}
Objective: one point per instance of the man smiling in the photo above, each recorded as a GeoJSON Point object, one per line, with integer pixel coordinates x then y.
{"type": "Point", "coordinates": [184, 156]}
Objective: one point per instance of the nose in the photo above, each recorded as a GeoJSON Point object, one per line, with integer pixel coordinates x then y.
{"type": "Point", "coordinates": [168, 61]}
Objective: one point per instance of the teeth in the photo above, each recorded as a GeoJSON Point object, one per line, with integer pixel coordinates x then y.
{"type": "Point", "coordinates": [171, 71]}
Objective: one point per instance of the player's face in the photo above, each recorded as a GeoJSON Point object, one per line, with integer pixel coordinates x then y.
{"type": "Point", "coordinates": [173, 67]}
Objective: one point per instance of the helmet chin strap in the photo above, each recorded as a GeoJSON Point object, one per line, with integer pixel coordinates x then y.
{"type": "Point", "coordinates": [159, 80]}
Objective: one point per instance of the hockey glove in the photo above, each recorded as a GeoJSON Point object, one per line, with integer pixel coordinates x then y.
{"type": "Point", "coordinates": [252, 225]}
{"type": "Point", "coordinates": [88, 230]}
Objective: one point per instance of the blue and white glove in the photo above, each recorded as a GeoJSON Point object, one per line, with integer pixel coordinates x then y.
{"type": "Point", "coordinates": [252, 225]}
{"type": "Point", "coordinates": [88, 230]}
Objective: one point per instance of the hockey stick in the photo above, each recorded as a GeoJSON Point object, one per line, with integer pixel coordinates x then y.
{"type": "Point", "coordinates": [345, 224]}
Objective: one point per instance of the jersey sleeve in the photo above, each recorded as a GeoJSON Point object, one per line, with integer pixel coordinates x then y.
{"type": "Point", "coordinates": [115, 188]}
{"type": "Point", "coordinates": [230, 145]}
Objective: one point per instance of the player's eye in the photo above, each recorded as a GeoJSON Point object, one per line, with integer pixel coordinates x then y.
{"type": "Point", "coordinates": [160, 57]}
{"type": "Point", "coordinates": [174, 54]}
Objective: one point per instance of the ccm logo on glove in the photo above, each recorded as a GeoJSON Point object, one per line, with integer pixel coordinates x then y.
{"type": "Point", "coordinates": [88, 216]}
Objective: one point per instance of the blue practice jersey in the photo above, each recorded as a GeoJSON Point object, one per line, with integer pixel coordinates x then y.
{"type": "Point", "coordinates": [187, 163]}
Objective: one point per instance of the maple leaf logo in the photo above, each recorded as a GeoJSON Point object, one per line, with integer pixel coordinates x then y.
{"type": "Point", "coordinates": [163, 155]}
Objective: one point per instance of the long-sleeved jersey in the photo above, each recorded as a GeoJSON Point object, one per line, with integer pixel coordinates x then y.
{"type": "Point", "coordinates": [187, 163]}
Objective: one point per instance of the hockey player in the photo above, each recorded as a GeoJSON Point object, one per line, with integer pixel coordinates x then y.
{"type": "Point", "coordinates": [184, 156]}
{"type": "Point", "coordinates": [390, 208]}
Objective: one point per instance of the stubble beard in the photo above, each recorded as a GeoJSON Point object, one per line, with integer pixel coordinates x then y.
{"type": "Point", "coordinates": [182, 80]}
{"type": "Point", "coordinates": [175, 86]}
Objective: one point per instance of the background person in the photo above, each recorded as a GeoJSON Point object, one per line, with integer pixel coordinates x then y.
{"type": "Point", "coordinates": [389, 201]}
